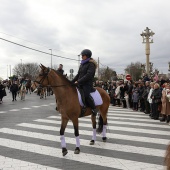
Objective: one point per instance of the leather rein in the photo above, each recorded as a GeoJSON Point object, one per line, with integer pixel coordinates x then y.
{"type": "Point", "coordinates": [44, 75]}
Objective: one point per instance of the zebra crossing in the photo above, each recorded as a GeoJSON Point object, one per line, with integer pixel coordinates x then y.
{"type": "Point", "coordinates": [135, 142]}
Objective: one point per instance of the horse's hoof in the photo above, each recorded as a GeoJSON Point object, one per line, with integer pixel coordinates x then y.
{"type": "Point", "coordinates": [64, 151]}
{"type": "Point", "coordinates": [56, 108]}
{"type": "Point", "coordinates": [92, 142]}
{"type": "Point", "coordinates": [77, 150]}
{"type": "Point", "coordinates": [104, 139]}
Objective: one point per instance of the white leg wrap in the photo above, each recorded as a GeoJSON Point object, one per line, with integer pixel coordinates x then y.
{"type": "Point", "coordinates": [63, 142]}
{"type": "Point", "coordinates": [77, 141]}
{"type": "Point", "coordinates": [104, 130]}
{"type": "Point", "coordinates": [94, 135]}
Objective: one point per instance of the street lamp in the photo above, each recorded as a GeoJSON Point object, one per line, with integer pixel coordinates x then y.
{"type": "Point", "coordinates": [7, 71]}
{"type": "Point", "coordinates": [146, 39]}
{"type": "Point", "coordinates": [51, 57]}
{"type": "Point", "coordinates": [169, 66]}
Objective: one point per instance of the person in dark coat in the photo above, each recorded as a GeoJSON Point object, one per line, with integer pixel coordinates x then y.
{"type": "Point", "coordinates": [135, 98]}
{"type": "Point", "coordinates": [141, 100]}
{"type": "Point", "coordinates": [2, 91]}
{"type": "Point", "coordinates": [145, 97]}
{"type": "Point", "coordinates": [156, 100]}
{"type": "Point", "coordinates": [146, 78]}
{"type": "Point", "coordinates": [85, 77]}
{"type": "Point", "coordinates": [14, 88]}
{"type": "Point", "coordinates": [123, 88]}
{"type": "Point", "coordinates": [129, 92]}
{"type": "Point", "coordinates": [60, 69]}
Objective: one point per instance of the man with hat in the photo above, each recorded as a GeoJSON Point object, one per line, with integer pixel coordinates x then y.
{"type": "Point", "coordinates": [85, 78]}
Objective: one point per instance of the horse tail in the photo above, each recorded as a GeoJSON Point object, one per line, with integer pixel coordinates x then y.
{"type": "Point", "coordinates": [167, 157]}
{"type": "Point", "coordinates": [99, 125]}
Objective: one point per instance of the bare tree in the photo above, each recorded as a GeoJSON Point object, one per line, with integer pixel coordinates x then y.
{"type": "Point", "coordinates": [135, 70]}
{"type": "Point", "coordinates": [107, 74]}
{"type": "Point", "coordinates": [26, 70]}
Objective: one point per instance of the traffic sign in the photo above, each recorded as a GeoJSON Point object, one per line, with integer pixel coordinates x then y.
{"type": "Point", "coordinates": [128, 77]}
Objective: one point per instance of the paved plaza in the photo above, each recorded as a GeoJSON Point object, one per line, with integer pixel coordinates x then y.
{"type": "Point", "coordinates": [29, 139]}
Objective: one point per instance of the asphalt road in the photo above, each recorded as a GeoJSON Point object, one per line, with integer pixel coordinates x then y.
{"type": "Point", "coordinates": [29, 139]}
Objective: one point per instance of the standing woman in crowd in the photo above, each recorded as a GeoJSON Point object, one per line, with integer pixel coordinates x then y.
{"type": "Point", "coordinates": [156, 100]}
{"type": "Point", "coordinates": [145, 97]}
{"type": "Point", "coordinates": [164, 100]}
{"type": "Point", "coordinates": [113, 88]}
{"type": "Point", "coordinates": [117, 93]}
{"type": "Point", "coordinates": [141, 100]}
{"type": "Point", "coordinates": [150, 99]}
{"type": "Point", "coordinates": [2, 92]}
{"type": "Point", "coordinates": [165, 111]}
{"type": "Point", "coordinates": [123, 88]}
{"type": "Point", "coordinates": [135, 96]}
{"type": "Point", "coordinates": [129, 92]}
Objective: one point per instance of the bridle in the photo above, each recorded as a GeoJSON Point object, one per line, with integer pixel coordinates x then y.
{"type": "Point", "coordinates": [44, 75]}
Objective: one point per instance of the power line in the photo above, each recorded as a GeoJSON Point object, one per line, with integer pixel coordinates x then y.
{"type": "Point", "coordinates": [36, 49]}
{"type": "Point", "coordinates": [33, 42]}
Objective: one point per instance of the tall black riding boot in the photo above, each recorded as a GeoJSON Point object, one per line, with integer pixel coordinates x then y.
{"type": "Point", "coordinates": [92, 105]}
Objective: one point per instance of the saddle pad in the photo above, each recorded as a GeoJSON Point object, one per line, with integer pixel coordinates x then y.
{"type": "Point", "coordinates": [96, 97]}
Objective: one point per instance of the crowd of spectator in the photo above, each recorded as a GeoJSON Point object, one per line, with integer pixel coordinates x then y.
{"type": "Point", "coordinates": [145, 95]}
{"type": "Point", "coordinates": [14, 87]}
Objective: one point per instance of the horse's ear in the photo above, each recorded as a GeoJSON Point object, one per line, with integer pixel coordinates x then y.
{"type": "Point", "coordinates": [43, 67]}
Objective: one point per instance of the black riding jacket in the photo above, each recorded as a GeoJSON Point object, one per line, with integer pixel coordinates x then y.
{"type": "Point", "coordinates": [86, 73]}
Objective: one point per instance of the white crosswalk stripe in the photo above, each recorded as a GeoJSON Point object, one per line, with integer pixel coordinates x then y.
{"type": "Point", "coordinates": [164, 126]}
{"type": "Point", "coordinates": [43, 130]}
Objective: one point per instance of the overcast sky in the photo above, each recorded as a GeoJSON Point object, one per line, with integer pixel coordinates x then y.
{"type": "Point", "coordinates": [109, 28]}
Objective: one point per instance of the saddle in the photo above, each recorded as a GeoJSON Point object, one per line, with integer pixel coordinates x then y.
{"type": "Point", "coordinates": [94, 94]}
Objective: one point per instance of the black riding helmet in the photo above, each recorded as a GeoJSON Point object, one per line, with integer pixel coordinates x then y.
{"type": "Point", "coordinates": [86, 52]}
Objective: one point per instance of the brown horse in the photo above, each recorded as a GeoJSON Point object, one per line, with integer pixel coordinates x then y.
{"type": "Point", "coordinates": [69, 106]}
{"type": "Point", "coordinates": [40, 90]}
{"type": "Point", "coordinates": [28, 86]}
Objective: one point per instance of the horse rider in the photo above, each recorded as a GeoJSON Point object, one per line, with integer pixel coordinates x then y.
{"type": "Point", "coordinates": [60, 69]}
{"type": "Point", "coordinates": [85, 77]}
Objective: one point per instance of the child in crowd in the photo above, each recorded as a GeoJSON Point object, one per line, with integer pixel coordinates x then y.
{"type": "Point", "coordinates": [135, 98]}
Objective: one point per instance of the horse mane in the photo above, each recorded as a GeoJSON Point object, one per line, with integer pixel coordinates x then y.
{"type": "Point", "coordinates": [63, 77]}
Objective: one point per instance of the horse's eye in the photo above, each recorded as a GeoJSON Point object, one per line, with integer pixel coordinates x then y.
{"type": "Point", "coordinates": [40, 74]}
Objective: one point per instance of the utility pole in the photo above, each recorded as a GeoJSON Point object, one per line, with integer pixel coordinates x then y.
{"type": "Point", "coordinates": [98, 68]}
{"type": "Point", "coordinates": [7, 71]}
{"type": "Point", "coordinates": [146, 39]}
{"type": "Point", "coordinates": [51, 58]}
{"type": "Point", "coordinates": [10, 70]}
